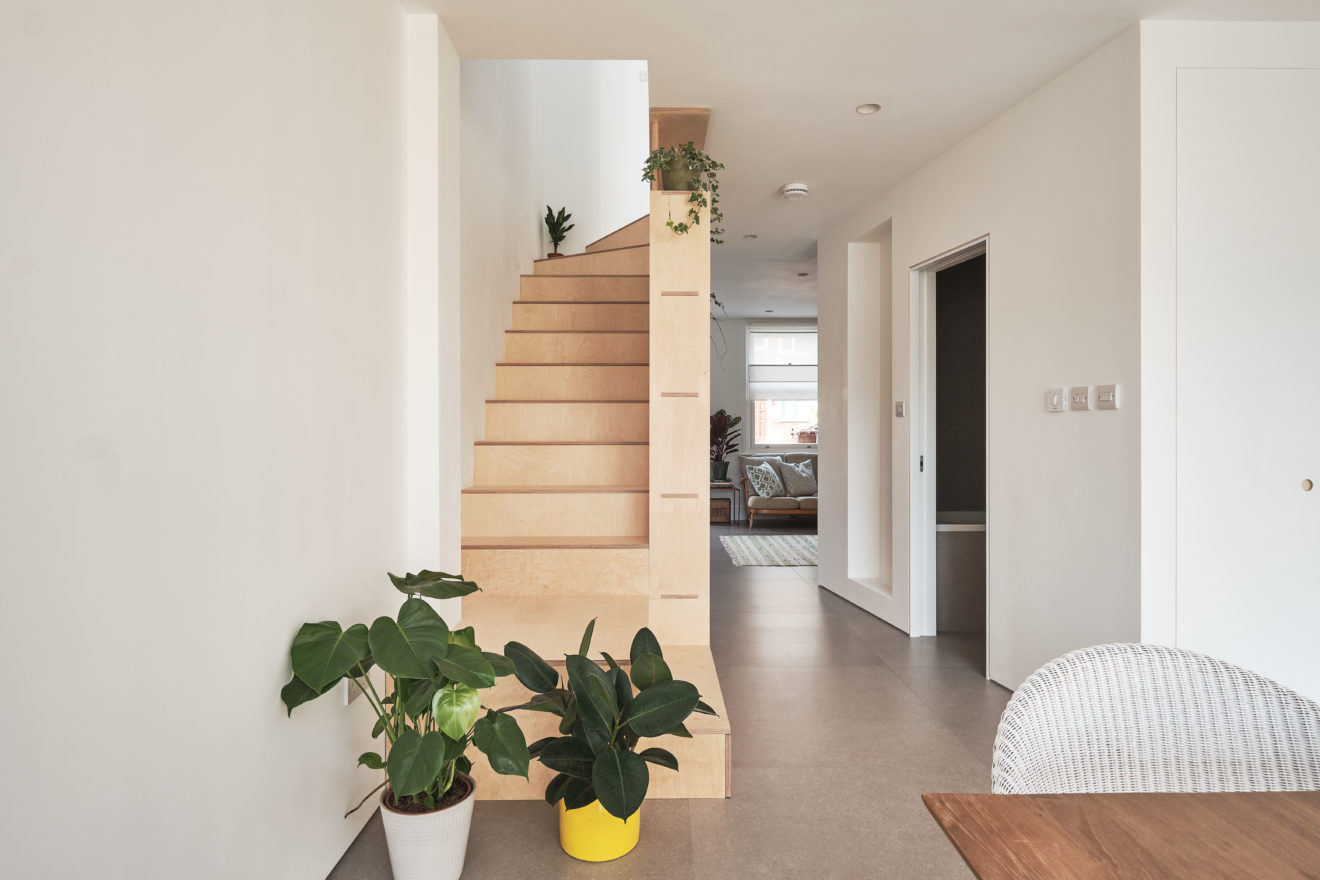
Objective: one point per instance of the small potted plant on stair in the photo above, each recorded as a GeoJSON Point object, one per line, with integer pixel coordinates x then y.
{"type": "Point", "coordinates": [724, 436]}
{"type": "Point", "coordinates": [558, 226]}
{"type": "Point", "coordinates": [685, 168]}
{"type": "Point", "coordinates": [429, 711]}
{"type": "Point", "coordinates": [602, 778]}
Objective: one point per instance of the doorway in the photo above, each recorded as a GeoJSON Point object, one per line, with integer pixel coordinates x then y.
{"type": "Point", "coordinates": [949, 515]}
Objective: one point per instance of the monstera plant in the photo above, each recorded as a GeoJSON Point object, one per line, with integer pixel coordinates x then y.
{"type": "Point", "coordinates": [429, 709]}
{"type": "Point", "coordinates": [605, 713]}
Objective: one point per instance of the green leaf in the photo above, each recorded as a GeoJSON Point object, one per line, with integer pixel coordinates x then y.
{"type": "Point", "coordinates": [660, 708]}
{"type": "Point", "coordinates": [595, 706]}
{"type": "Point", "coordinates": [659, 757]}
{"type": "Point", "coordinates": [456, 709]}
{"type": "Point", "coordinates": [534, 673]}
{"type": "Point", "coordinates": [454, 747]}
{"type": "Point", "coordinates": [502, 741]}
{"type": "Point", "coordinates": [467, 665]}
{"type": "Point", "coordinates": [371, 760]}
{"type": "Point", "coordinates": [620, 780]}
{"type": "Point", "coordinates": [465, 636]}
{"type": "Point", "coordinates": [705, 709]}
{"type": "Point", "coordinates": [609, 661]}
{"type": "Point", "coordinates": [535, 748]}
{"type": "Point", "coordinates": [296, 692]}
{"type": "Point", "coordinates": [410, 646]}
{"type": "Point", "coordinates": [554, 792]}
{"type": "Point", "coordinates": [578, 794]}
{"type": "Point", "coordinates": [502, 665]}
{"type": "Point", "coordinates": [463, 765]}
{"type": "Point", "coordinates": [322, 652]}
{"type": "Point", "coordinates": [379, 727]}
{"type": "Point", "coordinates": [568, 755]}
{"type": "Point", "coordinates": [433, 585]}
{"type": "Point", "coordinates": [596, 737]}
{"type": "Point", "coordinates": [586, 638]}
{"type": "Point", "coordinates": [679, 730]}
{"type": "Point", "coordinates": [570, 718]}
{"type": "Point", "coordinates": [644, 642]}
{"type": "Point", "coordinates": [415, 762]}
{"type": "Point", "coordinates": [649, 670]}
{"type": "Point", "coordinates": [418, 693]}
{"type": "Point", "coordinates": [623, 692]}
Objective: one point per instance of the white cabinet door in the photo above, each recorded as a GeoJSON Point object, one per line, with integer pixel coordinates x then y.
{"type": "Point", "coordinates": [1249, 369]}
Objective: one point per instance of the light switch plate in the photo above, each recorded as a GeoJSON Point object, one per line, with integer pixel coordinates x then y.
{"type": "Point", "coordinates": [1106, 397]}
{"type": "Point", "coordinates": [900, 409]}
{"type": "Point", "coordinates": [1055, 402]}
{"type": "Point", "coordinates": [1079, 397]}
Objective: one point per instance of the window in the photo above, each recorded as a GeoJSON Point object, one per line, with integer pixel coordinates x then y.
{"type": "Point", "coordinates": [781, 384]}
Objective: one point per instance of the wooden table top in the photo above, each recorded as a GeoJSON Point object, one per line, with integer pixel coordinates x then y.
{"type": "Point", "coordinates": [1234, 836]}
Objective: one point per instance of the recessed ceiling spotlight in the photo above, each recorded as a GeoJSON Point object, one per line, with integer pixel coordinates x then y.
{"type": "Point", "coordinates": [751, 236]}
{"type": "Point", "coordinates": [794, 191]}
{"type": "Point", "coordinates": [769, 311]}
{"type": "Point", "coordinates": [802, 274]}
{"type": "Point", "coordinates": [868, 109]}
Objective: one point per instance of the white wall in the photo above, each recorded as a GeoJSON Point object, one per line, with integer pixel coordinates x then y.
{"type": "Point", "coordinates": [203, 367]}
{"type": "Point", "coordinates": [1254, 605]}
{"type": "Point", "coordinates": [564, 133]}
{"type": "Point", "coordinates": [1053, 183]}
{"type": "Point", "coordinates": [728, 381]}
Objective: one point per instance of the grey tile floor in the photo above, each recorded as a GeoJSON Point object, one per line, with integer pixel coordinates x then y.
{"type": "Point", "coordinates": [840, 722]}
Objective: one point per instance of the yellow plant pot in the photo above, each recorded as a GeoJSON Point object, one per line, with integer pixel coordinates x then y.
{"type": "Point", "coordinates": [593, 835]}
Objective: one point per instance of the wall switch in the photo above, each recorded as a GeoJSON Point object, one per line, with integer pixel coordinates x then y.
{"type": "Point", "coordinates": [900, 409]}
{"type": "Point", "coordinates": [1079, 397]}
{"type": "Point", "coordinates": [1055, 401]}
{"type": "Point", "coordinates": [1106, 397]}
{"type": "Point", "coordinates": [351, 691]}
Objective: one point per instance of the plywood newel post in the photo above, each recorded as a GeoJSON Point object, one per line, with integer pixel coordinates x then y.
{"type": "Point", "coordinates": [680, 425]}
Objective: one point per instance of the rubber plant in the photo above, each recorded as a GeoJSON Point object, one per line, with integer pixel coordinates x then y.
{"type": "Point", "coordinates": [724, 435]}
{"type": "Point", "coordinates": [430, 708]}
{"type": "Point", "coordinates": [687, 168]}
{"type": "Point", "coordinates": [558, 226]}
{"type": "Point", "coordinates": [603, 720]}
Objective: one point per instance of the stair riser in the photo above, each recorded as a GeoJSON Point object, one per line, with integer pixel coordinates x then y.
{"type": "Point", "coordinates": [631, 261]}
{"type": "Point", "coordinates": [571, 422]}
{"type": "Point", "coordinates": [577, 348]}
{"type": "Point", "coordinates": [585, 316]}
{"type": "Point", "coordinates": [589, 288]}
{"type": "Point", "coordinates": [554, 515]}
{"type": "Point", "coordinates": [561, 466]}
{"type": "Point", "coordinates": [636, 233]}
{"type": "Point", "coordinates": [571, 383]}
{"type": "Point", "coordinates": [552, 572]}
{"type": "Point", "coordinates": [552, 627]}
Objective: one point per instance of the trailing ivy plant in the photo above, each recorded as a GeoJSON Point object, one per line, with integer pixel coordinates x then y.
{"type": "Point", "coordinates": [430, 708]}
{"type": "Point", "coordinates": [602, 721]}
{"type": "Point", "coordinates": [687, 168]}
{"type": "Point", "coordinates": [558, 226]}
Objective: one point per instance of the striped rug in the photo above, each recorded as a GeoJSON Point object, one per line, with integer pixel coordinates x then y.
{"type": "Point", "coordinates": [770, 549]}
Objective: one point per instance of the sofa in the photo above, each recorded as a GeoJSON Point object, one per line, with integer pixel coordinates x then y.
{"type": "Point", "coordinates": [803, 505]}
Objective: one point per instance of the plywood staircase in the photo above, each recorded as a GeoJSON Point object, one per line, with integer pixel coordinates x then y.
{"type": "Point", "coordinates": [557, 524]}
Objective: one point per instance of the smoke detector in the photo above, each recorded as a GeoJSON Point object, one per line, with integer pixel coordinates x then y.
{"type": "Point", "coordinates": [793, 191]}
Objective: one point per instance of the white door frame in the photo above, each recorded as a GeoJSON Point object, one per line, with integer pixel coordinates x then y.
{"type": "Point", "coordinates": [922, 504]}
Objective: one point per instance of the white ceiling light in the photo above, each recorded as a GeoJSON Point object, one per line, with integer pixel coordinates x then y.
{"type": "Point", "coordinates": [794, 191]}
{"type": "Point", "coordinates": [868, 109]}
{"type": "Point", "coordinates": [751, 236]}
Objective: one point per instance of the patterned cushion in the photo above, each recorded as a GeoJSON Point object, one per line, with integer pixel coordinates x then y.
{"type": "Point", "coordinates": [799, 479]}
{"type": "Point", "coordinates": [772, 460]}
{"type": "Point", "coordinates": [764, 480]}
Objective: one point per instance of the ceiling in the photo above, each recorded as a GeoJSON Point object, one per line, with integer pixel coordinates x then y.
{"type": "Point", "coordinates": [782, 79]}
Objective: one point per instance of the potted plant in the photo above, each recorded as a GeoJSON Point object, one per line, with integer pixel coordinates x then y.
{"type": "Point", "coordinates": [429, 711]}
{"type": "Point", "coordinates": [724, 436]}
{"type": "Point", "coordinates": [687, 168]}
{"type": "Point", "coordinates": [557, 225]}
{"type": "Point", "coordinates": [602, 778]}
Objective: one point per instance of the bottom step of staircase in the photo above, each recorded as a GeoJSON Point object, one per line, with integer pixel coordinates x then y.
{"type": "Point", "coordinates": [704, 761]}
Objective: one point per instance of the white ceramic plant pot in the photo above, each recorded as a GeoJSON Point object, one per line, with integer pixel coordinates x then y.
{"type": "Point", "coordinates": [429, 846]}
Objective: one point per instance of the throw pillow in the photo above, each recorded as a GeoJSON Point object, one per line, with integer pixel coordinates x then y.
{"type": "Point", "coordinates": [799, 479]}
{"type": "Point", "coordinates": [764, 480]}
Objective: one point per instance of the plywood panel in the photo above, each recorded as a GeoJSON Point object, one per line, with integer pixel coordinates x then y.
{"type": "Point", "coordinates": [549, 465]}
{"type": "Point", "coordinates": [580, 316]}
{"type": "Point", "coordinates": [552, 626]}
{"type": "Point", "coordinates": [554, 572]}
{"type": "Point", "coordinates": [577, 348]}
{"type": "Point", "coordinates": [579, 513]}
{"type": "Point", "coordinates": [590, 288]}
{"type": "Point", "coordinates": [634, 234]}
{"type": "Point", "coordinates": [623, 261]}
{"type": "Point", "coordinates": [566, 421]}
{"type": "Point", "coordinates": [570, 382]}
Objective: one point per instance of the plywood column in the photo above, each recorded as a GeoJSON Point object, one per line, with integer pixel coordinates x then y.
{"type": "Point", "coordinates": [679, 425]}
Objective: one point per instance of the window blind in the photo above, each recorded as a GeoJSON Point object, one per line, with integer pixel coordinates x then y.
{"type": "Point", "coordinates": [781, 363]}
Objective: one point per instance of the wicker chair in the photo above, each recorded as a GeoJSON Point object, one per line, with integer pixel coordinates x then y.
{"type": "Point", "coordinates": [1128, 718]}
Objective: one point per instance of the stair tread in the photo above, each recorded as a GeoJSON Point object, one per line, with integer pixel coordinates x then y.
{"type": "Point", "coordinates": [569, 364]}
{"type": "Point", "coordinates": [590, 542]}
{"type": "Point", "coordinates": [553, 490]}
{"type": "Point", "coordinates": [500, 400]}
{"type": "Point", "coordinates": [622, 228]}
{"type": "Point", "coordinates": [631, 247]}
{"type": "Point", "coordinates": [561, 443]}
{"type": "Point", "coordinates": [614, 275]}
{"type": "Point", "coordinates": [577, 331]}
